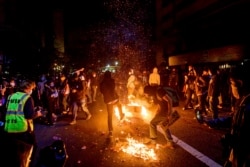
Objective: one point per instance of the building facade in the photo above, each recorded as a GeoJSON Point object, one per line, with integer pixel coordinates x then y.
{"type": "Point", "coordinates": [199, 31]}
{"type": "Point", "coordinates": [30, 30]}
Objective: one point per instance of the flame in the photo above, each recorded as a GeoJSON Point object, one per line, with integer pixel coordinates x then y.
{"type": "Point", "coordinates": [125, 111]}
{"type": "Point", "coordinates": [134, 147]}
{"type": "Point", "coordinates": [137, 149]}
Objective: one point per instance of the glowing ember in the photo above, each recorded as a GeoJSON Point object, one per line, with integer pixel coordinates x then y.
{"type": "Point", "coordinates": [139, 150]}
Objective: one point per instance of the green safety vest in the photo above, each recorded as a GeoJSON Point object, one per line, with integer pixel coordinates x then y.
{"type": "Point", "coordinates": [15, 121]}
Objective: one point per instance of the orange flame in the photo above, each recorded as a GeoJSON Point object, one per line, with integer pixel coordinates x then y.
{"type": "Point", "coordinates": [139, 150]}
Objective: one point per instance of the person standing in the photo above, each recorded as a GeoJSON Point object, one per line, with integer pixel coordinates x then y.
{"type": "Point", "coordinates": [110, 97]}
{"type": "Point", "coordinates": [94, 85]}
{"type": "Point", "coordinates": [214, 91]}
{"type": "Point", "coordinates": [201, 87]}
{"type": "Point", "coordinates": [19, 127]}
{"type": "Point", "coordinates": [144, 78]}
{"type": "Point", "coordinates": [189, 83]}
{"type": "Point", "coordinates": [41, 88]}
{"type": "Point", "coordinates": [131, 85]}
{"type": "Point", "coordinates": [11, 88]}
{"type": "Point", "coordinates": [154, 78]}
{"type": "Point", "coordinates": [77, 98]}
{"type": "Point", "coordinates": [51, 102]}
{"type": "Point", "coordinates": [173, 80]}
{"type": "Point", "coordinates": [88, 90]}
{"type": "Point", "coordinates": [236, 92]}
{"type": "Point", "coordinates": [64, 90]}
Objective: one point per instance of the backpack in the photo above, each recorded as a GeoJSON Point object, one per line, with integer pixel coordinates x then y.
{"type": "Point", "coordinates": [54, 155]}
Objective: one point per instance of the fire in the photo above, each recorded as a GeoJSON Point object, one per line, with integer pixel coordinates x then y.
{"type": "Point", "coordinates": [132, 146]}
{"type": "Point", "coordinates": [137, 149]}
{"type": "Point", "coordinates": [124, 110]}
{"type": "Point", "coordinates": [134, 110]}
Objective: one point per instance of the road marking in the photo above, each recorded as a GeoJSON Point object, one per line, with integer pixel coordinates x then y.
{"type": "Point", "coordinates": [203, 158]}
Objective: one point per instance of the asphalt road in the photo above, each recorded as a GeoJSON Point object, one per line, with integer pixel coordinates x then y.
{"type": "Point", "coordinates": [86, 142]}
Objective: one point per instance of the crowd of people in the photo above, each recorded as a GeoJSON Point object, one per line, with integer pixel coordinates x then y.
{"type": "Point", "coordinates": [208, 89]}
{"type": "Point", "coordinates": [25, 100]}
{"type": "Point", "coordinates": [205, 88]}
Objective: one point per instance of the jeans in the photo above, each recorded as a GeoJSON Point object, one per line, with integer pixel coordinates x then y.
{"type": "Point", "coordinates": [75, 107]}
{"type": "Point", "coordinates": [153, 128]}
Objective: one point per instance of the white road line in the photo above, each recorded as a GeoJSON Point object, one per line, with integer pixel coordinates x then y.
{"type": "Point", "coordinates": [203, 158]}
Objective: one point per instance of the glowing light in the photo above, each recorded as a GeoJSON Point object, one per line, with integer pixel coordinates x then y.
{"type": "Point", "coordinates": [132, 146]}
{"type": "Point", "coordinates": [137, 149]}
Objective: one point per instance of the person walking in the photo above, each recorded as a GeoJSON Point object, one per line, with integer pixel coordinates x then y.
{"type": "Point", "coordinates": [201, 87]}
{"type": "Point", "coordinates": [77, 98]}
{"type": "Point", "coordinates": [94, 85]}
{"type": "Point", "coordinates": [20, 142]}
{"type": "Point", "coordinates": [110, 97]}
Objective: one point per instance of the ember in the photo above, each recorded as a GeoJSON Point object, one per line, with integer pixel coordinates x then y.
{"type": "Point", "coordinates": [137, 149]}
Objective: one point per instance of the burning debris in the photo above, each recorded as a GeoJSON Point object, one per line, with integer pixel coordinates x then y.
{"type": "Point", "coordinates": [138, 149]}
{"type": "Point", "coordinates": [132, 146]}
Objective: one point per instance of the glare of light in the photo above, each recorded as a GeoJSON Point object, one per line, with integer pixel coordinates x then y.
{"type": "Point", "coordinates": [140, 150]}
{"type": "Point", "coordinates": [125, 111]}
{"type": "Point", "coordinates": [134, 147]}
{"type": "Point", "coordinates": [142, 112]}
{"type": "Point", "coordinates": [116, 63]}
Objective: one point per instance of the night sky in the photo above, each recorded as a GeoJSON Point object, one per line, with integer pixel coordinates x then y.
{"type": "Point", "coordinates": [96, 29]}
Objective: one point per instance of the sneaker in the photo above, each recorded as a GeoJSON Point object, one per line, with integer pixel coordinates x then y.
{"type": "Point", "coordinates": [88, 117]}
{"type": "Point", "coordinates": [73, 122]}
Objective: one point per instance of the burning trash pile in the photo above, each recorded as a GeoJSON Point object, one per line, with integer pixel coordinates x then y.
{"type": "Point", "coordinates": [142, 110]}
{"type": "Point", "coordinates": [131, 145]}
{"type": "Point", "coordinates": [137, 149]}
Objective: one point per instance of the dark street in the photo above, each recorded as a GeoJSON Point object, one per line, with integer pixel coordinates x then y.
{"type": "Point", "coordinates": [87, 145]}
